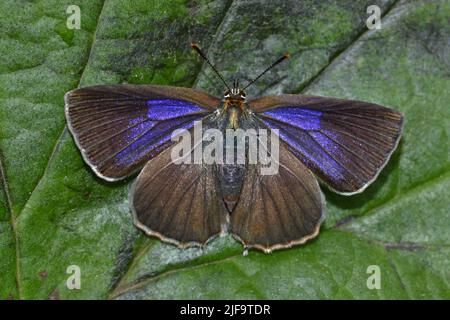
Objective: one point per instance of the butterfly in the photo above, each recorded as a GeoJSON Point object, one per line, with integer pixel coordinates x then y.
{"type": "Point", "coordinates": [123, 129]}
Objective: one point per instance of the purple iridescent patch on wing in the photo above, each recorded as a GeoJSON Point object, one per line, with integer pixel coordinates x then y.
{"type": "Point", "coordinates": [153, 131]}
{"type": "Point", "coordinates": [301, 118]}
{"type": "Point", "coordinates": [307, 146]}
{"type": "Point", "coordinates": [164, 109]}
{"type": "Point", "coordinates": [149, 141]}
{"type": "Point", "coordinates": [301, 128]}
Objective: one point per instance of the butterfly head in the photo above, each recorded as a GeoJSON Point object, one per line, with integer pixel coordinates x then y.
{"type": "Point", "coordinates": [234, 95]}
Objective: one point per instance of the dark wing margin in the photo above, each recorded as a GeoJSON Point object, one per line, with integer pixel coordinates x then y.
{"type": "Point", "coordinates": [345, 143]}
{"type": "Point", "coordinates": [118, 128]}
{"type": "Point", "coordinates": [281, 210]}
{"type": "Point", "coordinates": [178, 203]}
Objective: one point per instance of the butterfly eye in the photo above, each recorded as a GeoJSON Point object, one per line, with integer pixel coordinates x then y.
{"type": "Point", "coordinates": [227, 94]}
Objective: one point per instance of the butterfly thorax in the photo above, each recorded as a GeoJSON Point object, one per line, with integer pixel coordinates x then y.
{"type": "Point", "coordinates": [234, 106]}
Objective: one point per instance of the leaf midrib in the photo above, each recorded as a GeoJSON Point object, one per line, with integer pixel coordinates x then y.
{"type": "Point", "coordinates": [13, 222]}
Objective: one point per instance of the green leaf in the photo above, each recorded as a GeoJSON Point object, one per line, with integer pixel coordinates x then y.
{"type": "Point", "coordinates": [55, 213]}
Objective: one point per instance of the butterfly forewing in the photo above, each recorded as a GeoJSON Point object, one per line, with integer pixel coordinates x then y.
{"type": "Point", "coordinates": [119, 128]}
{"type": "Point", "coordinates": [345, 143]}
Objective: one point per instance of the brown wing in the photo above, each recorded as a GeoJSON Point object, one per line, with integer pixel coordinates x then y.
{"type": "Point", "coordinates": [345, 143]}
{"type": "Point", "coordinates": [281, 210]}
{"type": "Point", "coordinates": [118, 128]}
{"type": "Point", "coordinates": [178, 203]}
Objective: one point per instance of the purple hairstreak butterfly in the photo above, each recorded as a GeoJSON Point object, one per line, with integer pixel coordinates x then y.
{"type": "Point", "coordinates": [123, 129]}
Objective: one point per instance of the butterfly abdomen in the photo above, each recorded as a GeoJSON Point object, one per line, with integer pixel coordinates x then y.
{"type": "Point", "coordinates": [231, 178]}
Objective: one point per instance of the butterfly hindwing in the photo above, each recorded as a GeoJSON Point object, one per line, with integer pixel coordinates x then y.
{"type": "Point", "coordinates": [278, 210]}
{"type": "Point", "coordinates": [118, 128]}
{"type": "Point", "coordinates": [345, 143]}
{"type": "Point", "coordinates": [178, 202]}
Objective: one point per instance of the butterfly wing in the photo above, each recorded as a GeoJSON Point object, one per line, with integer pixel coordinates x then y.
{"type": "Point", "coordinates": [177, 202]}
{"type": "Point", "coordinates": [118, 128]}
{"type": "Point", "coordinates": [345, 143]}
{"type": "Point", "coordinates": [279, 210]}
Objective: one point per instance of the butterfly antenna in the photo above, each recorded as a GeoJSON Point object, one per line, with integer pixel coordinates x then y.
{"type": "Point", "coordinates": [200, 52]}
{"type": "Point", "coordinates": [284, 57]}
